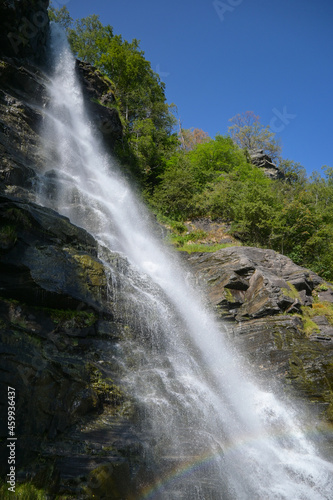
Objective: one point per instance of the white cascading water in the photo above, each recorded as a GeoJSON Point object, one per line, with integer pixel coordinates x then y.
{"type": "Point", "coordinates": [211, 432]}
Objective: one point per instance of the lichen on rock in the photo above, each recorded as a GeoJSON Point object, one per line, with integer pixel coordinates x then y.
{"type": "Point", "coordinates": [265, 299]}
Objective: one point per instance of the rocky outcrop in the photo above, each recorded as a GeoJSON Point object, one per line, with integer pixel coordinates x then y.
{"type": "Point", "coordinates": [270, 305]}
{"type": "Point", "coordinates": [261, 160]}
{"type": "Point", "coordinates": [24, 28]}
{"type": "Point", "coordinates": [46, 260]}
{"type": "Point", "coordinates": [58, 330]}
{"type": "Point", "coordinates": [248, 282]}
{"type": "Point", "coordinates": [100, 102]}
{"type": "Point", "coordinates": [22, 98]}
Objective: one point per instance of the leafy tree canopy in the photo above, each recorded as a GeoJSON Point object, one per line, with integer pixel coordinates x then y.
{"type": "Point", "coordinates": [88, 39]}
{"type": "Point", "coordinates": [60, 16]}
{"type": "Point", "coordinates": [140, 95]}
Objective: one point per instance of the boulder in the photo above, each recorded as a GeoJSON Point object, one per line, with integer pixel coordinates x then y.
{"type": "Point", "coordinates": [261, 160]}
{"type": "Point", "coordinates": [259, 294]}
{"type": "Point", "coordinates": [246, 282]}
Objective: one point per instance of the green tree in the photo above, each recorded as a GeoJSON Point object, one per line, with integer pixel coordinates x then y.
{"type": "Point", "coordinates": [249, 134]}
{"type": "Point", "coordinates": [293, 172]}
{"type": "Point", "coordinates": [138, 88]}
{"type": "Point", "coordinates": [192, 181]}
{"type": "Point", "coordinates": [140, 95]}
{"type": "Point", "coordinates": [210, 159]}
{"type": "Point", "coordinates": [60, 16]}
{"type": "Point", "coordinates": [174, 194]}
{"type": "Point", "coordinates": [88, 38]}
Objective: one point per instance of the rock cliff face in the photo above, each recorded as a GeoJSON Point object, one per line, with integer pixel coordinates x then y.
{"type": "Point", "coordinates": [267, 302]}
{"type": "Point", "coordinates": [56, 316]}
{"type": "Point", "coordinates": [58, 332]}
{"type": "Point", "coordinates": [100, 99]}
{"type": "Point", "coordinates": [261, 160]}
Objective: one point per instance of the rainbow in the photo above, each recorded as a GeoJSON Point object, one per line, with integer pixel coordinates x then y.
{"type": "Point", "coordinates": [149, 491]}
{"type": "Point", "coordinates": [179, 472]}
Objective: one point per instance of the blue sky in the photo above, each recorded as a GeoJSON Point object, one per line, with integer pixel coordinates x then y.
{"type": "Point", "coordinates": [220, 58]}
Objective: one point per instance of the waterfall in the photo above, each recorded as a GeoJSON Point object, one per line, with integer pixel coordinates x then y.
{"type": "Point", "coordinates": [210, 430]}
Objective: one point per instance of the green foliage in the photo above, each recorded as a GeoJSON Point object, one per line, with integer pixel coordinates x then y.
{"type": "Point", "coordinates": [202, 247]}
{"type": "Point", "coordinates": [8, 236]}
{"type": "Point", "coordinates": [140, 96]}
{"type": "Point", "coordinates": [77, 318]}
{"type": "Point", "coordinates": [181, 239]}
{"type": "Point", "coordinates": [293, 172]}
{"type": "Point", "coordinates": [190, 177]}
{"type": "Point", "coordinates": [60, 16]}
{"type": "Point", "coordinates": [291, 292]}
{"type": "Point", "coordinates": [212, 158]}
{"type": "Point", "coordinates": [318, 308]}
{"type": "Point", "coordinates": [174, 195]}
{"type": "Point", "coordinates": [26, 491]}
{"type": "Point", "coordinates": [136, 85]}
{"type": "Point", "coordinates": [89, 38]}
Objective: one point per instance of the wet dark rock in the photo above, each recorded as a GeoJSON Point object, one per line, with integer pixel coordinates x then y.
{"type": "Point", "coordinates": [22, 97]}
{"type": "Point", "coordinates": [260, 294]}
{"type": "Point", "coordinates": [58, 346]}
{"type": "Point", "coordinates": [95, 85]}
{"type": "Point", "coordinates": [46, 259]}
{"type": "Point", "coordinates": [100, 102]}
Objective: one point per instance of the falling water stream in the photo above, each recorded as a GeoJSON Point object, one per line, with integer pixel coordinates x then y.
{"type": "Point", "coordinates": [213, 433]}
